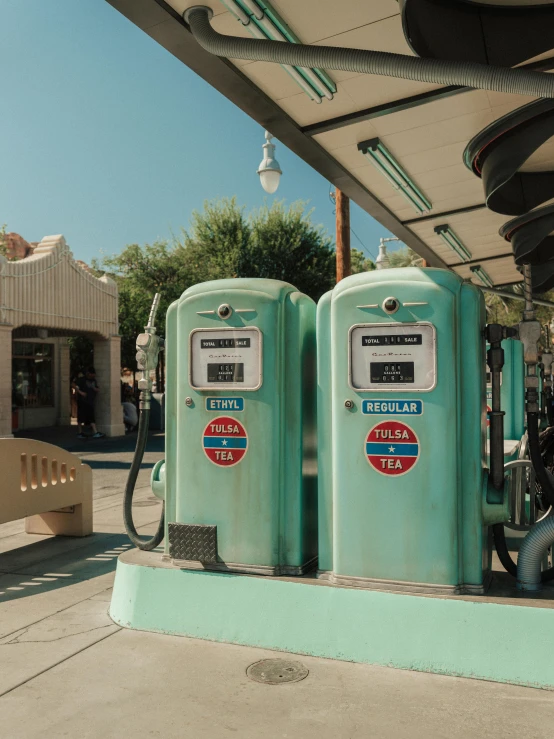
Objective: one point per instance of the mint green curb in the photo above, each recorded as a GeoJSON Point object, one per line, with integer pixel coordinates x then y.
{"type": "Point", "coordinates": [490, 641]}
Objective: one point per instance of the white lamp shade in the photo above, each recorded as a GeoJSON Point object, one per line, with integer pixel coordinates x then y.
{"type": "Point", "coordinates": [270, 179]}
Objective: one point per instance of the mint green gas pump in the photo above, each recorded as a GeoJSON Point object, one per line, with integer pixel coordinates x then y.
{"type": "Point", "coordinates": [405, 497]}
{"type": "Point", "coordinates": [239, 477]}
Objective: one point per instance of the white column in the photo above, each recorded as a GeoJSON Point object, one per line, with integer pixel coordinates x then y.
{"type": "Point", "coordinates": [63, 400]}
{"type": "Point", "coordinates": [107, 363]}
{"type": "Point", "coordinates": [5, 380]}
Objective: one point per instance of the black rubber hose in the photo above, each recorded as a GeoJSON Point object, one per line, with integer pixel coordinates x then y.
{"type": "Point", "coordinates": [361, 61]}
{"type": "Point", "coordinates": [145, 544]}
{"type": "Point", "coordinates": [502, 549]}
{"type": "Point", "coordinates": [505, 558]}
{"type": "Point", "coordinates": [536, 457]}
{"type": "Point", "coordinates": [549, 410]}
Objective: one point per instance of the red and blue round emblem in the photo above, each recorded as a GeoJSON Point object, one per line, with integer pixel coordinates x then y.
{"type": "Point", "coordinates": [392, 448]}
{"type": "Point", "coordinates": [225, 441]}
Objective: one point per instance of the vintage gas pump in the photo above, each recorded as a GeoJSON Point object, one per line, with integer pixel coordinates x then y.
{"type": "Point", "coordinates": [239, 478]}
{"type": "Point", "coordinates": [405, 498]}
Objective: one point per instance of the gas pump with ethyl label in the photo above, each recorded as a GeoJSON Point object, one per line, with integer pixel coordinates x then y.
{"type": "Point", "coordinates": [404, 494]}
{"type": "Point", "coordinates": [239, 477]}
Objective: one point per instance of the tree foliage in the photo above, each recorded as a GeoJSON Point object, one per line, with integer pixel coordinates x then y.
{"type": "Point", "coordinates": [404, 257]}
{"type": "Point", "coordinates": [3, 245]}
{"type": "Point", "coordinates": [276, 243]}
{"type": "Point", "coordinates": [360, 263]}
{"type": "Point", "coordinates": [508, 312]}
{"type": "Point", "coordinates": [223, 242]}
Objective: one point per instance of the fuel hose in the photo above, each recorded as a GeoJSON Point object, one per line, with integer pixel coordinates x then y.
{"type": "Point", "coordinates": [535, 455]}
{"type": "Point", "coordinates": [142, 436]}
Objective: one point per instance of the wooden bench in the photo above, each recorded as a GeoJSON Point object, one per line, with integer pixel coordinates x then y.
{"type": "Point", "coordinates": [49, 487]}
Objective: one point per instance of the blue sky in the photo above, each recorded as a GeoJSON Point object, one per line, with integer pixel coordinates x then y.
{"type": "Point", "coordinates": [108, 139]}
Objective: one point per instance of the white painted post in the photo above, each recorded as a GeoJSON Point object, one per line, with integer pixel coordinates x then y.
{"type": "Point", "coordinates": [5, 381]}
{"type": "Point", "coordinates": [107, 363]}
{"type": "Point", "coordinates": [63, 400]}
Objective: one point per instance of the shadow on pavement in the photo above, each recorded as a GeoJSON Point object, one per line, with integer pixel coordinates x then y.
{"type": "Point", "coordinates": [66, 438]}
{"type": "Point", "coordinates": [41, 567]}
{"type": "Point", "coordinates": [103, 464]}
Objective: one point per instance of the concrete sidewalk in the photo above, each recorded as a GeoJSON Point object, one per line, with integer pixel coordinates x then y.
{"type": "Point", "coordinates": [68, 671]}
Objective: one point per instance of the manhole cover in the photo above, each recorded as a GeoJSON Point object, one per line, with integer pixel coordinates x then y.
{"type": "Point", "coordinates": [276, 671]}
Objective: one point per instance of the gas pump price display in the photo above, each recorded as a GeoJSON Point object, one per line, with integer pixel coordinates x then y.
{"type": "Point", "coordinates": [392, 357]}
{"type": "Point", "coordinates": [224, 359]}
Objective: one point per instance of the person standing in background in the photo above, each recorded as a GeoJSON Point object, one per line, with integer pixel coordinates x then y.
{"type": "Point", "coordinates": [86, 389]}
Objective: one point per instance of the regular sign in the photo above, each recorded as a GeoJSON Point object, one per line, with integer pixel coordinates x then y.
{"type": "Point", "coordinates": [392, 448]}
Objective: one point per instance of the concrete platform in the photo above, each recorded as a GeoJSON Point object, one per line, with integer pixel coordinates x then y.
{"type": "Point", "coordinates": [468, 636]}
{"type": "Point", "coordinates": [68, 671]}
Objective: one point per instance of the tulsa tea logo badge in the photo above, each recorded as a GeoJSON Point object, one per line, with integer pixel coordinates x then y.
{"type": "Point", "coordinates": [225, 441]}
{"type": "Point", "coordinates": [392, 448]}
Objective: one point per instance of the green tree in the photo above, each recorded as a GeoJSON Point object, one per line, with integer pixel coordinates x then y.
{"type": "Point", "coordinates": [404, 257]}
{"type": "Point", "coordinates": [359, 262]}
{"type": "Point", "coordinates": [218, 242]}
{"type": "Point", "coordinates": [223, 242]}
{"type": "Point", "coordinates": [508, 311]}
{"type": "Point", "coordinates": [3, 245]}
{"type": "Point", "coordinates": [277, 243]}
{"type": "Point", "coordinates": [140, 272]}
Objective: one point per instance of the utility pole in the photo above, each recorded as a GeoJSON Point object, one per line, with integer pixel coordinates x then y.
{"type": "Point", "coordinates": [342, 205]}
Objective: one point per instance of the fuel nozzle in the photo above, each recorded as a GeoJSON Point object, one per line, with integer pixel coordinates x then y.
{"type": "Point", "coordinates": [148, 348]}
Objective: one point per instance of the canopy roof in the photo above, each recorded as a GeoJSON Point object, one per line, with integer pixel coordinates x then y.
{"type": "Point", "coordinates": [425, 127]}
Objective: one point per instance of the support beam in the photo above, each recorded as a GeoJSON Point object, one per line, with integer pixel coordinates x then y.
{"type": "Point", "coordinates": [396, 106]}
{"type": "Point", "coordinates": [342, 204]}
{"type": "Point", "coordinates": [457, 211]}
{"type": "Point", "coordinates": [515, 296]}
{"type": "Point", "coordinates": [378, 111]}
{"type": "Point", "coordinates": [506, 255]}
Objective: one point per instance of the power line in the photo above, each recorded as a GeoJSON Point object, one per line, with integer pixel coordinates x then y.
{"type": "Point", "coordinates": [364, 247]}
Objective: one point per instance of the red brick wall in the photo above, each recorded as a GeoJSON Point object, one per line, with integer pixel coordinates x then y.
{"type": "Point", "coordinates": [17, 247]}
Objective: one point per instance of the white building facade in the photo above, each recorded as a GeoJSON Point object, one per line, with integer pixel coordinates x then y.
{"type": "Point", "coordinates": [46, 298]}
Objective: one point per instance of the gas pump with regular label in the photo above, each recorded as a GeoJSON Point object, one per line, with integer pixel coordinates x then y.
{"type": "Point", "coordinates": [404, 493]}
{"type": "Point", "coordinates": [240, 491]}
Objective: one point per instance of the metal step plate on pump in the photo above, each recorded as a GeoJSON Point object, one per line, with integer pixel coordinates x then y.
{"type": "Point", "coordinates": [225, 359]}
{"type": "Point", "coordinates": [393, 357]}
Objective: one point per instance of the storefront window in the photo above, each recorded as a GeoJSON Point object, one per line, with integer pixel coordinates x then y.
{"type": "Point", "coordinates": [32, 374]}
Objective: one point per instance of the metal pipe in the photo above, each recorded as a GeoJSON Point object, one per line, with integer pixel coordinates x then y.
{"type": "Point", "coordinates": [529, 312]}
{"type": "Point", "coordinates": [531, 553]}
{"type": "Point", "coordinates": [436, 71]}
{"type": "Point", "coordinates": [514, 296]}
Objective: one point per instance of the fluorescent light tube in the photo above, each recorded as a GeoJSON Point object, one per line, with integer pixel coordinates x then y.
{"type": "Point", "coordinates": [264, 22]}
{"type": "Point", "coordinates": [480, 273]}
{"type": "Point", "coordinates": [452, 241]}
{"type": "Point", "coordinates": [383, 160]}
